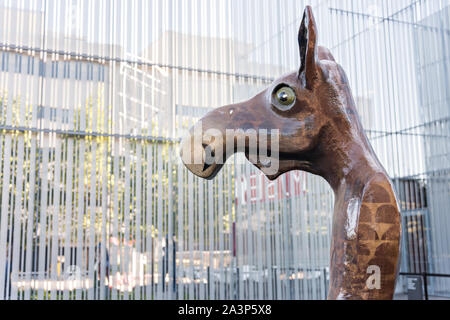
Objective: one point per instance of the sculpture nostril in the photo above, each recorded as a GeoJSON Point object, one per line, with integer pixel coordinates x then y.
{"type": "Point", "coordinates": [210, 156]}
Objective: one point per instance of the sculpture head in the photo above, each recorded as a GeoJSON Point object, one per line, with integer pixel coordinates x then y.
{"type": "Point", "coordinates": [312, 108]}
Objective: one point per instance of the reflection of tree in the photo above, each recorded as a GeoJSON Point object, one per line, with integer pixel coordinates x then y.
{"type": "Point", "coordinates": [82, 185]}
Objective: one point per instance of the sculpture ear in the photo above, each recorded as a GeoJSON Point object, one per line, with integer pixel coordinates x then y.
{"type": "Point", "coordinates": [307, 42]}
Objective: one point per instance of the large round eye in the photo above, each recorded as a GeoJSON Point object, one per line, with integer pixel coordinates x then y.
{"type": "Point", "coordinates": [284, 98]}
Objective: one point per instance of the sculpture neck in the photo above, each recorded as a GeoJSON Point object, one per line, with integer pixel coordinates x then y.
{"type": "Point", "coordinates": [366, 220]}
{"type": "Point", "coordinates": [350, 167]}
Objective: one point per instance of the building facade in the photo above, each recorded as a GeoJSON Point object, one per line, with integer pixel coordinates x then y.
{"type": "Point", "coordinates": [95, 95]}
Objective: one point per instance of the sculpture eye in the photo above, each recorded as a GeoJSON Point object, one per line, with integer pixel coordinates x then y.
{"type": "Point", "coordinates": [284, 98]}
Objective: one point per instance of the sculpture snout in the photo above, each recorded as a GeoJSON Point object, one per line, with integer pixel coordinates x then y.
{"type": "Point", "coordinates": [199, 156]}
{"type": "Point", "coordinates": [203, 150]}
{"type": "Point", "coordinates": [225, 131]}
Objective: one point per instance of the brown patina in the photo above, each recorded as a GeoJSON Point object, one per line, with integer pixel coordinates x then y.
{"type": "Point", "coordinates": [321, 133]}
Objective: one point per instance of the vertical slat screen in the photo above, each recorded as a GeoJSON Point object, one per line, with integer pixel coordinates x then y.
{"type": "Point", "coordinates": [96, 94]}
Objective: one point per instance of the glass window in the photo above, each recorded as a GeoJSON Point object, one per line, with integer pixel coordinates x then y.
{"type": "Point", "coordinates": [40, 112]}
{"type": "Point", "coordinates": [18, 63]}
{"type": "Point", "coordinates": [52, 114]}
{"type": "Point", "coordinates": [90, 71]}
{"type": "Point", "coordinates": [30, 65]}
{"type": "Point", "coordinates": [78, 70]}
{"type": "Point", "coordinates": [42, 66]}
{"type": "Point", "coordinates": [67, 70]}
{"type": "Point", "coordinates": [55, 65]}
{"type": "Point", "coordinates": [5, 61]}
{"type": "Point", "coordinates": [101, 73]}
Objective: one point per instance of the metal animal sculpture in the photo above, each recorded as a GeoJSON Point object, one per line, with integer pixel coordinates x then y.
{"type": "Point", "coordinates": [321, 133]}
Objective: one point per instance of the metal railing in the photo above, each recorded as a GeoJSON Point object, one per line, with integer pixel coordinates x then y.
{"type": "Point", "coordinates": [425, 277]}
